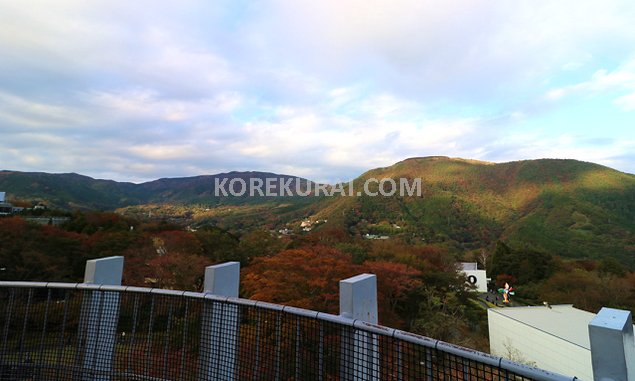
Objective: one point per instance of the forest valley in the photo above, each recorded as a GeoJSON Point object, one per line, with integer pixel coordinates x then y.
{"type": "Point", "coordinates": [419, 288]}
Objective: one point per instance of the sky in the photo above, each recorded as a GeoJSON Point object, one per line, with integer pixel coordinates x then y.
{"type": "Point", "coordinates": [324, 89]}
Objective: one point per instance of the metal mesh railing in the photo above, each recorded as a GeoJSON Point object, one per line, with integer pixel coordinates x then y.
{"type": "Point", "coordinates": [53, 331]}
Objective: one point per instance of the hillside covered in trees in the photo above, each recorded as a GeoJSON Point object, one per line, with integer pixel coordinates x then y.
{"type": "Point", "coordinates": [419, 287]}
{"type": "Point", "coordinates": [560, 231]}
{"type": "Point", "coordinates": [564, 207]}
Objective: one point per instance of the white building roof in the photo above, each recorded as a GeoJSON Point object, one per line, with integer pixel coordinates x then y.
{"type": "Point", "coordinates": [563, 321]}
{"type": "Point", "coordinates": [465, 266]}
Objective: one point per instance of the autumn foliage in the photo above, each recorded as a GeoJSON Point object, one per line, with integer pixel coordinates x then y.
{"type": "Point", "coordinates": [306, 277]}
{"type": "Point", "coordinates": [309, 277]}
{"type": "Point", "coordinates": [419, 289]}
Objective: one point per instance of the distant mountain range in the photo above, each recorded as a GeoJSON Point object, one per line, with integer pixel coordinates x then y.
{"type": "Point", "coordinates": [566, 207]}
{"type": "Point", "coordinates": [74, 191]}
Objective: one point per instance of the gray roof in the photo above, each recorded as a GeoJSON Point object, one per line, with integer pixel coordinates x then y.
{"type": "Point", "coordinates": [465, 266]}
{"type": "Point", "coordinates": [563, 321]}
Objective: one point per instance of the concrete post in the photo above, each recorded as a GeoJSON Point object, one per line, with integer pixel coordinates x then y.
{"type": "Point", "coordinates": [222, 279]}
{"type": "Point", "coordinates": [104, 271]}
{"type": "Point", "coordinates": [360, 356]}
{"type": "Point", "coordinates": [100, 317]}
{"type": "Point", "coordinates": [220, 323]}
{"type": "Point", "coordinates": [612, 345]}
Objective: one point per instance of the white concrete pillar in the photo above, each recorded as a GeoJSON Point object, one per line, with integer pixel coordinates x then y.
{"type": "Point", "coordinates": [222, 279]}
{"type": "Point", "coordinates": [104, 271]}
{"type": "Point", "coordinates": [100, 317]}
{"type": "Point", "coordinates": [612, 345]}
{"type": "Point", "coordinates": [358, 298]}
{"type": "Point", "coordinates": [219, 332]}
{"type": "Point", "coordinates": [358, 301]}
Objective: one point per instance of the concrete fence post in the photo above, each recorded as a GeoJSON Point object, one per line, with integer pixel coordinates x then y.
{"type": "Point", "coordinates": [219, 332]}
{"type": "Point", "coordinates": [360, 356]}
{"type": "Point", "coordinates": [612, 345]}
{"type": "Point", "coordinates": [100, 317]}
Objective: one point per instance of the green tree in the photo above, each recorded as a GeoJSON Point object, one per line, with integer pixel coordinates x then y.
{"type": "Point", "coordinates": [218, 245]}
{"type": "Point", "coordinates": [258, 243]}
{"type": "Point", "coordinates": [501, 260]}
{"type": "Point", "coordinates": [610, 265]}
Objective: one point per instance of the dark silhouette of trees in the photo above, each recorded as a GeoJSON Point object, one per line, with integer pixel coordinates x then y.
{"type": "Point", "coordinates": [525, 264]}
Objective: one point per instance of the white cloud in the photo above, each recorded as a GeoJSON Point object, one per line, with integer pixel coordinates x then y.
{"type": "Point", "coordinates": [23, 112]}
{"type": "Point", "coordinates": [148, 104]}
{"type": "Point", "coordinates": [162, 152]}
{"type": "Point", "coordinates": [603, 81]}
{"type": "Point", "coordinates": [428, 49]}
{"type": "Point", "coordinates": [324, 89]}
{"type": "Point", "coordinates": [626, 102]}
{"type": "Point", "coordinates": [613, 152]}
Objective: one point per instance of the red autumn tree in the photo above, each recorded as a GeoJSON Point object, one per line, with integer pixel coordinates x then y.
{"type": "Point", "coordinates": [307, 277]}
{"type": "Point", "coordinates": [178, 241]}
{"type": "Point", "coordinates": [170, 259]}
{"type": "Point", "coordinates": [178, 271]}
{"type": "Point", "coordinates": [396, 282]}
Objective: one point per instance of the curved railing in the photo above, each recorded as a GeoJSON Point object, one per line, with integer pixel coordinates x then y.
{"type": "Point", "coordinates": [62, 331]}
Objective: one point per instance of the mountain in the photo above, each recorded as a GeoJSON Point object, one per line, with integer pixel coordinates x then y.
{"type": "Point", "coordinates": [202, 189]}
{"type": "Point", "coordinates": [69, 190]}
{"type": "Point", "coordinates": [566, 207]}
{"type": "Point", "coordinates": [73, 191]}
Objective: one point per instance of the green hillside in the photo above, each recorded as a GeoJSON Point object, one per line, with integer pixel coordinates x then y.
{"type": "Point", "coordinates": [201, 189]}
{"type": "Point", "coordinates": [565, 207]}
{"type": "Point", "coordinates": [70, 191]}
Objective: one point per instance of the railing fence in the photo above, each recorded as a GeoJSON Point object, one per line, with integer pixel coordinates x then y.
{"type": "Point", "coordinates": [60, 331]}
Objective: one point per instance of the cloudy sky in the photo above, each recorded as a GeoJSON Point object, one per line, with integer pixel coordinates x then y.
{"type": "Point", "coordinates": [325, 89]}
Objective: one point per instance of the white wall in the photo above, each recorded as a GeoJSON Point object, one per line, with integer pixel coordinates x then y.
{"type": "Point", "coordinates": [481, 279]}
{"type": "Point", "coordinates": [545, 350]}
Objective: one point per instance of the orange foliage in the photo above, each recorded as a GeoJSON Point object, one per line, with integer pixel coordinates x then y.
{"type": "Point", "coordinates": [136, 269]}
{"type": "Point", "coordinates": [395, 282]}
{"type": "Point", "coordinates": [177, 271]}
{"type": "Point", "coordinates": [12, 226]}
{"type": "Point", "coordinates": [325, 236]}
{"type": "Point", "coordinates": [180, 241]}
{"type": "Point", "coordinates": [170, 260]}
{"type": "Point", "coordinates": [425, 258]}
{"type": "Point", "coordinates": [307, 277]}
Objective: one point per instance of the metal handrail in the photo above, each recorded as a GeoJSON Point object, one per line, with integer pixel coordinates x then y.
{"type": "Point", "coordinates": [418, 340]}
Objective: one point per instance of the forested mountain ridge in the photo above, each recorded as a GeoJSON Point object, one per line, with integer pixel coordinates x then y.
{"type": "Point", "coordinates": [73, 191]}
{"type": "Point", "coordinates": [519, 220]}
{"type": "Point", "coordinates": [565, 207]}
